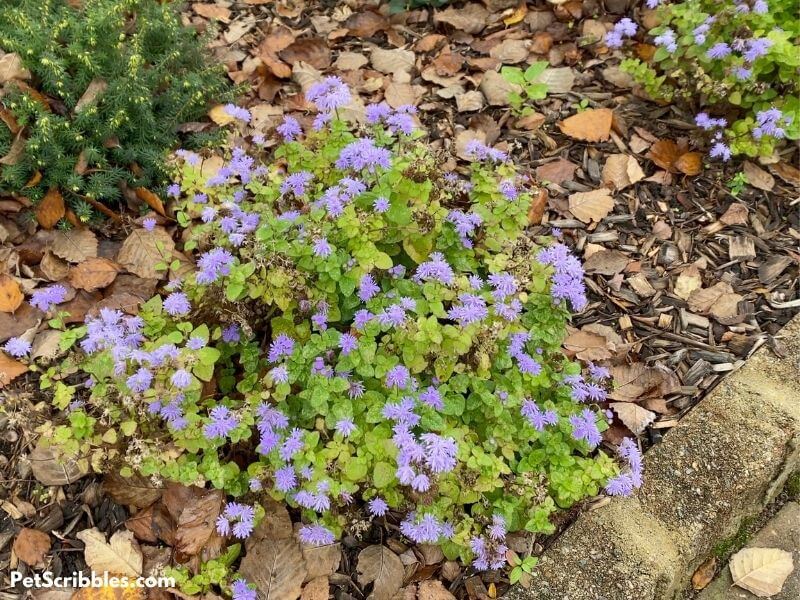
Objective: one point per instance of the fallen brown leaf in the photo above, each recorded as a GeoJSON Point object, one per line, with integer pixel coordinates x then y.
{"type": "Point", "coordinates": [365, 24]}
{"type": "Point", "coordinates": [93, 274]}
{"type": "Point", "coordinates": [638, 381]}
{"type": "Point", "coordinates": [634, 417]}
{"type": "Point", "coordinates": [51, 469]}
{"type": "Point", "coordinates": [142, 251]}
{"type": "Point", "coordinates": [196, 523]}
{"type": "Point", "coordinates": [10, 369]}
{"type": "Point", "coordinates": [592, 125]}
{"type": "Point", "coordinates": [152, 200]}
{"type": "Point", "coordinates": [95, 88]}
{"type": "Point", "coordinates": [316, 589]}
{"type": "Point", "coordinates": [557, 171]}
{"type": "Point", "coordinates": [591, 206]}
{"type": "Point", "coordinates": [704, 573]}
{"type": "Point", "coordinates": [11, 295]}
{"type": "Point", "coordinates": [135, 490]}
{"type": "Point", "coordinates": [11, 68]}
{"type": "Point", "coordinates": [74, 245]}
{"type": "Point", "coordinates": [664, 153]}
{"type": "Point", "coordinates": [120, 555]}
{"type": "Point", "coordinates": [471, 18]}
{"type": "Point", "coordinates": [621, 171]}
{"type": "Point", "coordinates": [32, 546]}
{"type": "Point", "coordinates": [313, 51]}
{"type": "Point", "coordinates": [758, 177]}
{"type": "Point", "coordinates": [690, 163]}
{"type": "Point", "coordinates": [538, 206]}
{"type": "Point", "coordinates": [212, 11]}
{"type": "Point", "coordinates": [381, 567]}
{"type": "Point", "coordinates": [51, 209]}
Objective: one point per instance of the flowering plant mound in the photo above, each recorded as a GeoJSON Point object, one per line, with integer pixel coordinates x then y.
{"type": "Point", "coordinates": [365, 334]}
{"type": "Point", "coordinates": [739, 59]}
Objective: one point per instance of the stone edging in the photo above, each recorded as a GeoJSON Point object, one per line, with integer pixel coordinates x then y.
{"type": "Point", "coordinates": [722, 463]}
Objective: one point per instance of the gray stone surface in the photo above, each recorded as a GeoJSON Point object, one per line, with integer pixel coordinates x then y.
{"type": "Point", "coordinates": [721, 464]}
{"type": "Point", "coordinates": [782, 531]}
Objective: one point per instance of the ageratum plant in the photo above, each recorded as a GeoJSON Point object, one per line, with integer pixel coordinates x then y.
{"type": "Point", "coordinates": [736, 63]}
{"type": "Point", "coordinates": [111, 82]}
{"type": "Point", "coordinates": [365, 334]}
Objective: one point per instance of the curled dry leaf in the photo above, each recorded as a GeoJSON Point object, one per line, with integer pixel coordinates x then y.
{"type": "Point", "coordinates": [704, 573]}
{"type": "Point", "coordinates": [538, 206]}
{"type": "Point", "coordinates": [638, 381]}
{"type": "Point", "coordinates": [472, 18]}
{"type": "Point", "coordinates": [559, 80]}
{"type": "Point", "coordinates": [220, 116]}
{"type": "Point", "coordinates": [120, 555]}
{"type": "Point", "coordinates": [621, 171]}
{"type": "Point", "coordinates": [46, 345]}
{"type": "Point", "coordinates": [75, 245]}
{"type": "Point", "coordinates": [556, 171]}
{"type": "Point", "coordinates": [313, 51]}
{"type": "Point", "coordinates": [758, 177]}
{"type": "Point", "coordinates": [93, 274]}
{"type": "Point", "coordinates": [20, 321]}
{"type": "Point", "coordinates": [196, 524]}
{"type": "Point", "coordinates": [591, 206]}
{"type": "Point", "coordinates": [593, 125]}
{"type": "Point", "coordinates": [50, 469]}
{"type": "Point", "coordinates": [761, 571]}
{"type": "Point", "coordinates": [152, 200]}
{"type": "Point", "coordinates": [11, 295]}
{"type": "Point", "coordinates": [690, 163]}
{"type": "Point", "coordinates": [212, 11]}
{"type": "Point", "coordinates": [275, 566]}
{"type": "Point", "coordinates": [720, 301]}
{"type": "Point", "coordinates": [594, 342]}
{"type": "Point", "coordinates": [606, 262]}
{"type": "Point", "coordinates": [11, 68]}
{"type": "Point", "coordinates": [664, 153]}
{"type": "Point", "coordinates": [135, 490]}
{"type": "Point", "coordinates": [53, 268]}
{"type": "Point", "coordinates": [633, 416]}
{"type": "Point", "coordinates": [392, 61]}
{"type": "Point", "coordinates": [142, 251]}
{"type": "Point", "coordinates": [365, 24]}
{"type": "Point", "coordinates": [95, 88]}
{"type": "Point", "coordinates": [32, 546]}
{"type": "Point", "coordinates": [497, 88]}
{"type": "Point", "coordinates": [51, 209]}
{"type": "Point", "coordinates": [381, 567]}
{"type": "Point", "coordinates": [10, 369]}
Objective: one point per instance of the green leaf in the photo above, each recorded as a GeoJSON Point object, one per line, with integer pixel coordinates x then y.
{"type": "Point", "coordinates": [383, 475]}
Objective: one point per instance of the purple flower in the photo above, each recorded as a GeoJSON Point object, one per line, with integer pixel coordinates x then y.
{"type": "Point", "coordinates": [149, 224]}
{"type": "Point", "coordinates": [45, 298]}
{"type": "Point", "coordinates": [296, 183]}
{"type": "Point", "coordinates": [237, 112]}
{"type": "Point", "coordinates": [345, 426]}
{"type": "Point", "coordinates": [652, 3]}
{"type": "Point", "coordinates": [497, 530]}
{"type": "Point", "coordinates": [718, 50]}
{"type": "Point", "coordinates": [613, 39]}
{"type": "Point", "coordinates": [703, 121]}
{"type": "Point", "coordinates": [427, 530]}
{"type": "Point", "coordinates": [367, 288]}
{"type": "Point", "coordinates": [17, 347]}
{"type": "Point", "coordinates": [756, 48]}
{"type": "Point", "coordinates": [223, 421]}
{"type": "Point", "coordinates": [285, 479]}
{"type": "Point", "coordinates": [720, 150]}
{"type": "Point", "coordinates": [282, 345]}
{"type": "Point", "coordinates": [174, 190]}
{"type": "Point", "coordinates": [195, 343]}
{"type": "Point", "coordinates": [381, 205]}
{"type": "Point", "coordinates": [241, 591]}
{"type": "Point", "coordinates": [393, 316]}
{"type": "Point", "coordinates": [181, 379]}
{"type": "Point", "coordinates": [538, 418]}
{"type": "Point", "coordinates": [363, 154]}
{"type": "Point", "coordinates": [376, 113]}
{"type": "Point", "coordinates": [214, 264]}
{"type": "Point", "coordinates": [508, 189]}
{"type": "Point", "coordinates": [231, 334]}
{"type": "Point", "coordinates": [289, 129]}
{"type": "Point", "coordinates": [377, 507]}
{"type": "Point", "coordinates": [402, 120]}
{"type": "Point", "coordinates": [316, 535]}
{"type": "Point", "coordinates": [322, 248]}
{"type": "Point", "coordinates": [584, 427]}
{"type": "Point", "coordinates": [760, 7]}
{"type": "Point", "coordinates": [329, 94]}
{"type": "Point", "coordinates": [567, 280]}
{"type": "Point", "coordinates": [667, 40]}
{"type": "Point", "coordinates": [435, 269]}
{"type": "Point", "coordinates": [236, 519]}
{"type": "Point", "coordinates": [440, 452]}
{"type": "Point", "coordinates": [398, 377]}
{"type": "Point", "coordinates": [292, 444]}
{"type": "Point", "coordinates": [177, 304]}
{"type": "Point", "coordinates": [472, 310]}
{"type": "Point", "coordinates": [140, 380]}
{"type": "Point", "coordinates": [432, 398]}
{"type": "Point", "coordinates": [480, 151]}
{"type": "Point", "coordinates": [768, 122]}
{"type": "Point", "coordinates": [347, 343]}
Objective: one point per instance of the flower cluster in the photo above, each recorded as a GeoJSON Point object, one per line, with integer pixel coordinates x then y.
{"type": "Point", "coordinates": [382, 337]}
{"type": "Point", "coordinates": [737, 57]}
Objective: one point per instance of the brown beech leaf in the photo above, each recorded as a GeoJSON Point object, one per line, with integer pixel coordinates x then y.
{"type": "Point", "coordinates": [557, 171]}
{"type": "Point", "coordinates": [704, 573]}
{"type": "Point", "coordinates": [313, 51]}
{"type": "Point", "coordinates": [95, 88]}
{"type": "Point", "coordinates": [316, 589]}
{"type": "Point", "coordinates": [382, 567]}
{"type": "Point", "coordinates": [20, 321]}
{"type": "Point", "coordinates": [11, 68]}
{"type": "Point", "coordinates": [120, 555]}
{"type": "Point", "coordinates": [591, 206]}
{"type": "Point", "coordinates": [758, 177]}
{"type": "Point", "coordinates": [606, 262]}
{"type": "Point", "coordinates": [220, 116]}
{"type": "Point", "coordinates": [11, 295]}
{"type": "Point", "coordinates": [471, 18]}
{"type": "Point", "coordinates": [93, 274]}
{"type": "Point", "coordinates": [75, 245]}
{"type": "Point", "coordinates": [197, 522]}
{"type": "Point", "coordinates": [720, 301]}
{"type": "Point", "coordinates": [365, 24]}
{"type": "Point", "coordinates": [633, 416]}
{"type": "Point", "coordinates": [593, 342]}
{"type": "Point", "coordinates": [7, 117]}
{"type": "Point", "coordinates": [690, 163]}
{"type": "Point", "coordinates": [10, 369]}
{"type": "Point", "coordinates": [432, 589]}
{"type": "Point", "coordinates": [638, 381]}
{"type": "Point", "coordinates": [761, 571]}
{"type": "Point", "coordinates": [51, 209]}
{"type": "Point", "coordinates": [152, 524]}
{"type": "Point", "coordinates": [51, 469]}
{"type": "Point", "coordinates": [16, 150]}
{"type": "Point", "coordinates": [538, 206]}
{"type": "Point", "coordinates": [212, 11]}
{"type": "Point", "coordinates": [592, 125]}
{"type": "Point", "coordinates": [152, 200]}
{"type": "Point", "coordinates": [789, 173]}
{"type": "Point", "coordinates": [275, 566]}
{"type": "Point", "coordinates": [664, 153]}
{"type": "Point", "coordinates": [621, 171]}
{"type": "Point", "coordinates": [143, 250]}
{"type": "Point", "coordinates": [135, 490]}
{"type": "Point", "coordinates": [32, 546]}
